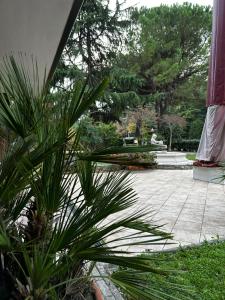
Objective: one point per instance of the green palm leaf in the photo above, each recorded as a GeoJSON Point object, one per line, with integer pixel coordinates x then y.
{"type": "Point", "coordinates": [58, 215]}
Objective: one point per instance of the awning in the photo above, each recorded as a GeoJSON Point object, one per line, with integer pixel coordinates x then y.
{"type": "Point", "coordinates": [37, 28]}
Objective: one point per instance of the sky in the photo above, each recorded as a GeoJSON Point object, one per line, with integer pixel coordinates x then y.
{"type": "Point", "coordinates": [151, 3]}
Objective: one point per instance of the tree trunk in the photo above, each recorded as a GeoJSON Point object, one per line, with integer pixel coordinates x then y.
{"type": "Point", "coordinates": [157, 111]}
{"type": "Point", "coordinates": [138, 131]}
{"type": "Point", "coordinates": [89, 59]}
{"type": "Point", "coordinates": [171, 137]}
{"type": "Point", "coordinates": [160, 109]}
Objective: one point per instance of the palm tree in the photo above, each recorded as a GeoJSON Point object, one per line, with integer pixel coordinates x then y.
{"type": "Point", "coordinates": [55, 208]}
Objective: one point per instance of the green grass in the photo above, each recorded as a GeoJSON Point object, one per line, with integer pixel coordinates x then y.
{"type": "Point", "coordinates": [201, 268]}
{"type": "Point", "coordinates": [191, 156]}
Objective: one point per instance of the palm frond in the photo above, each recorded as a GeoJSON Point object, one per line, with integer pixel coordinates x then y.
{"type": "Point", "coordinates": [58, 215]}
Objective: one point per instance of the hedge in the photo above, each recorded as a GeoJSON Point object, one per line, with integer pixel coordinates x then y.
{"type": "Point", "coordinates": [186, 145]}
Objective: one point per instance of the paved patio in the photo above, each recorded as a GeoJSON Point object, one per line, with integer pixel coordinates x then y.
{"type": "Point", "coordinates": [193, 211]}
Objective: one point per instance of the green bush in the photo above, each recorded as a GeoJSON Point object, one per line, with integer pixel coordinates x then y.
{"type": "Point", "coordinates": [98, 135]}
{"type": "Point", "coordinates": [109, 135]}
{"type": "Point", "coordinates": [164, 133]}
{"type": "Point", "coordinates": [186, 145]}
{"type": "Point", "coordinates": [195, 129]}
{"type": "Point", "coordinates": [144, 159]}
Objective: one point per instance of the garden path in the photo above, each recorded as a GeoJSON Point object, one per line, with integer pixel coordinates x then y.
{"type": "Point", "coordinates": [192, 210]}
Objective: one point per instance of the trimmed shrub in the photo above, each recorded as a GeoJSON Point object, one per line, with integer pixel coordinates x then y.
{"type": "Point", "coordinates": [186, 145]}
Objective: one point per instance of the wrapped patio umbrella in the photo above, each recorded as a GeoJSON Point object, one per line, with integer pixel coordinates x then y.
{"type": "Point", "coordinates": [212, 145]}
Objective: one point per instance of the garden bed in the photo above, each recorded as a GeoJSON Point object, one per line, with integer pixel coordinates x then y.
{"type": "Point", "coordinates": [130, 161]}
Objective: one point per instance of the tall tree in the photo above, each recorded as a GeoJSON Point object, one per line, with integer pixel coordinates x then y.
{"type": "Point", "coordinates": [154, 56]}
{"type": "Point", "coordinates": [94, 41]}
{"type": "Point", "coordinates": [172, 121]}
{"type": "Point", "coordinates": [168, 45]}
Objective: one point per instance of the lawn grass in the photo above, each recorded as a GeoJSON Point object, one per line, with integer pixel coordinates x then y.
{"type": "Point", "coordinates": [202, 268]}
{"type": "Point", "coordinates": [191, 156]}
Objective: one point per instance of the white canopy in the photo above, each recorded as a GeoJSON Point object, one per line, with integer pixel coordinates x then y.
{"type": "Point", "coordinates": [37, 28]}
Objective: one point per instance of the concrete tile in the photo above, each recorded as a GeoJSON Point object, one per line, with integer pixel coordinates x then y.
{"type": "Point", "coordinates": [166, 191]}
{"type": "Point", "coordinates": [177, 244]}
{"type": "Point", "coordinates": [170, 206]}
{"type": "Point", "coordinates": [158, 202]}
{"type": "Point", "coordinates": [191, 217]}
{"type": "Point", "coordinates": [216, 187]}
{"type": "Point", "coordinates": [198, 193]}
{"type": "Point", "coordinates": [214, 211]}
{"type": "Point", "coordinates": [194, 206]}
{"type": "Point", "coordinates": [215, 198]}
{"type": "Point", "coordinates": [213, 220]}
{"type": "Point", "coordinates": [167, 209]}
{"type": "Point", "coordinates": [196, 199]}
{"type": "Point", "coordinates": [213, 230]}
{"type": "Point", "coordinates": [186, 236]}
{"type": "Point", "coordinates": [174, 208]}
{"type": "Point", "coordinates": [192, 211]}
{"type": "Point", "coordinates": [206, 237]}
{"type": "Point", "coordinates": [166, 219]}
{"type": "Point", "coordinates": [215, 194]}
{"type": "Point", "coordinates": [194, 227]}
{"type": "Point", "coordinates": [155, 206]}
{"type": "Point", "coordinates": [168, 227]}
{"type": "Point", "coordinates": [215, 206]}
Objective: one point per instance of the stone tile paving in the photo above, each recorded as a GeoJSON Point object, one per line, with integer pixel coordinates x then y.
{"type": "Point", "coordinates": [108, 289]}
{"type": "Point", "coordinates": [193, 211]}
